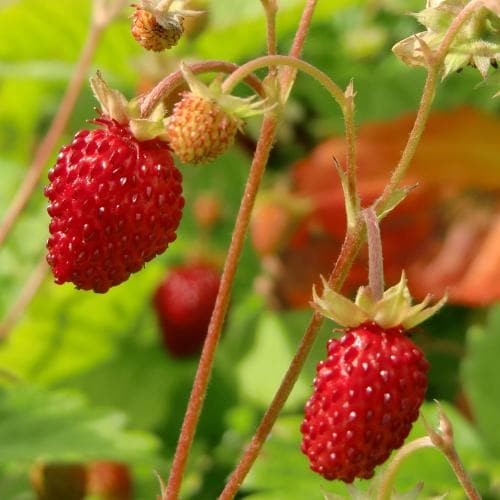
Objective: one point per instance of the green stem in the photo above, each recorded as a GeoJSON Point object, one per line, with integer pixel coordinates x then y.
{"type": "Point", "coordinates": [389, 475]}
{"type": "Point", "coordinates": [278, 60]}
{"type": "Point", "coordinates": [426, 101]}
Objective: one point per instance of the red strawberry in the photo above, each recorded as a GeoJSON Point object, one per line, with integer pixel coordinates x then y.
{"type": "Point", "coordinates": [109, 480]}
{"type": "Point", "coordinates": [115, 203]}
{"type": "Point", "coordinates": [367, 394]}
{"type": "Point", "coordinates": [184, 303]}
{"type": "Point", "coordinates": [368, 391]}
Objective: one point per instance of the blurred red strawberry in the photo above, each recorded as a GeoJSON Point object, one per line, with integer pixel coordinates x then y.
{"type": "Point", "coordinates": [109, 480]}
{"type": "Point", "coordinates": [184, 303]}
{"type": "Point", "coordinates": [446, 233]}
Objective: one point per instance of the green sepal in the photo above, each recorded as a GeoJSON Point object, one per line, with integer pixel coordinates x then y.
{"type": "Point", "coordinates": [395, 308]}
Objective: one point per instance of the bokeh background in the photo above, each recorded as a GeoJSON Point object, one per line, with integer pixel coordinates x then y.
{"type": "Point", "coordinates": [86, 377]}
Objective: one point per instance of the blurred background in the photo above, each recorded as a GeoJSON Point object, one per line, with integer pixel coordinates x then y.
{"type": "Point", "coordinates": [92, 387]}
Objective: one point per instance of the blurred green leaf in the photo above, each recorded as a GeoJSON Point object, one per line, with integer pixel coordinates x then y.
{"type": "Point", "coordinates": [41, 425]}
{"type": "Point", "coordinates": [480, 376]}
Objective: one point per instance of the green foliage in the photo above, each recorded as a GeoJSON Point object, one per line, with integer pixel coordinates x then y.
{"type": "Point", "coordinates": [479, 376]}
{"type": "Point", "coordinates": [59, 426]}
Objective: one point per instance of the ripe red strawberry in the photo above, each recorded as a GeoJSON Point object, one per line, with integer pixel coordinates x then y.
{"type": "Point", "coordinates": [184, 303]}
{"type": "Point", "coordinates": [115, 203]}
{"type": "Point", "coordinates": [200, 130]}
{"type": "Point", "coordinates": [368, 391]}
{"type": "Point", "coordinates": [154, 36]}
{"type": "Point", "coordinates": [367, 394]}
{"type": "Point", "coordinates": [109, 480]}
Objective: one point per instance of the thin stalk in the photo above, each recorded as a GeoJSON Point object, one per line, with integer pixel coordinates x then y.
{"type": "Point", "coordinates": [426, 101]}
{"type": "Point", "coordinates": [289, 73]}
{"type": "Point", "coordinates": [203, 373]}
{"type": "Point", "coordinates": [279, 60]}
{"type": "Point", "coordinates": [271, 9]}
{"type": "Point", "coordinates": [386, 486]}
{"type": "Point", "coordinates": [27, 293]}
{"type": "Point", "coordinates": [375, 255]}
{"type": "Point", "coordinates": [461, 474]}
{"type": "Point", "coordinates": [174, 80]}
{"type": "Point", "coordinates": [42, 155]}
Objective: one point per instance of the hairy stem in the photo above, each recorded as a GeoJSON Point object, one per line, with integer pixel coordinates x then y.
{"type": "Point", "coordinates": [279, 60]}
{"type": "Point", "coordinates": [271, 9]}
{"type": "Point", "coordinates": [461, 474]}
{"type": "Point", "coordinates": [42, 155]}
{"type": "Point", "coordinates": [375, 255]}
{"type": "Point", "coordinates": [173, 81]}
{"type": "Point", "coordinates": [385, 492]}
{"type": "Point", "coordinates": [203, 373]}
{"type": "Point", "coordinates": [426, 101]}
{"type": "Point", "coordinates": [289, 73]}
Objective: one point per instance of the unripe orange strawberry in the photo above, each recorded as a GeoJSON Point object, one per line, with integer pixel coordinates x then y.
{"type": "Point", "coordinates": [199, 130]}
{"type": "Point", "coordinates": [109, 480]}
{"type": "Point", "coordinates": [207, 209]}
{"type": "Point", "coordinates": [152, 35]}
{"type": "Point", "coordinates": [204, 122]}
{"type": "Point", "coordinates": [156, 27]}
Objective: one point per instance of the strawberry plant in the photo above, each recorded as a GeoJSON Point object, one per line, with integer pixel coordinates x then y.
{"type": "Point", "coordinates": [162, 335]}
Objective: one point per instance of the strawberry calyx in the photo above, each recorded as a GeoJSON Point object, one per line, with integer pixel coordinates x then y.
{"type": "Point", "coordinates": [476, 44]}
{"type": "Point", "coordinates": [115, 106]}
{"type": "Point", "coordinates": [237, 108]}
{"type": "Point", "coordinates": [394, 309]}
{"type": "Point", "coordinates": [166, 12]}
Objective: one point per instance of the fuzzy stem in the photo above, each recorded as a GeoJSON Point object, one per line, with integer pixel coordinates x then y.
{"type": "Point", "coordinates": [279, 60]}
{"type": "Point", "coordinates": [203, 373]}
{"type": "Point", "coordinates": [44, 151]}
{"type": "Point", "coordinates": [27, 293]}
{"type": "Point", "coordinates": [389, 475]}
{"type": "Point", "coordinates": [462, 476]}
{"type": "Point", "coordinates": [350, 133]}
{"type": "Point", "coordinates": [174, 80]}
{"type": "Point", "coordinates": [289, 73]}
{"type": "Point", "coordinates": [375, 254]}
{"type": "Point", "coordinates": [425, 104]}
{"type": "Point", "coordinates": [271, 9]}
{"type": "Point", "coordinates": [349, 250]}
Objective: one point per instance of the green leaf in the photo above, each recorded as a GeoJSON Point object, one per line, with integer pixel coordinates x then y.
{"type": "Point", "coordinates": [263, 367]}
{"type": "Point", "coordinates": [59, 426]}
{"type": "Point", "coordinates": [480, 376]}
